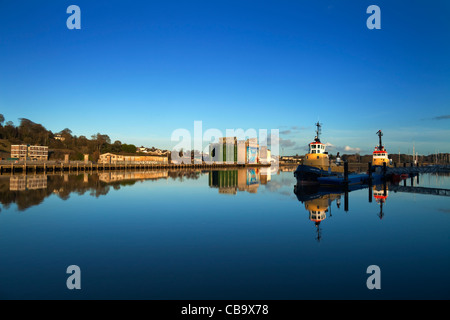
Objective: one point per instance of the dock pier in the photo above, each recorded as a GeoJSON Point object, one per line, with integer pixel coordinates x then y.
{"type": "Point", "coordinates": [418, 169]}
{"type": "Point", "coordinates": [44, 167]}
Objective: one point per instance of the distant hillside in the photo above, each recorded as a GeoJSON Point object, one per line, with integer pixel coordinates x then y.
{"type": "Point", "coordinates": [60, 143]}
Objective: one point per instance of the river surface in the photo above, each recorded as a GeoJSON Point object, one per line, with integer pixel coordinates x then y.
{"type": "Point", "coordinates": [234, 234]}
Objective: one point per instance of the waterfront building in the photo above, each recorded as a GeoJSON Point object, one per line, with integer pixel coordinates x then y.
{"type": "Point", "coordinates": [29, 152]}
{"type": "Point", "coordinates": [291, 159]}
{"type": "Point", "coordinates": [142, 149]}
{"type": "Point", "coordinates": [229, 152]}
{"type": "Point", "coordinates": [264, 155]}
{"type": "Point", "coordinates": [19, 151]}
{"type": "Point", "coordinates": [233, 151]}
{"type": "Point", "coordinates": [216, 152]}
{"type": "Point", "coordinates": [241, 152]}
{"type": "Point", "coordinates": [113, 158]}
{"type": "Point", "coordinates": [252, 150]}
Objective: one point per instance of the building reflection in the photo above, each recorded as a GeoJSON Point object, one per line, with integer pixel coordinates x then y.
{"type": "Point", "coordinates": [232, 181]}
{"type": "Point", "coordinates": [30, 190]}
{"type": "Point", "coordinates": [27, 182]}
{"type": "Point", "coordinates": [120, 176]}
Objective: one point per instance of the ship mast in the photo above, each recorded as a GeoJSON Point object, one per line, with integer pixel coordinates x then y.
{"type": "Point", "coordinates": [381, 214]}
{"type": "Point", "coordinates": [319, 232]}
{"type": "Point", "coordinates": [380, 134]}
{"type": "Point", "coordinates": [318, 131]}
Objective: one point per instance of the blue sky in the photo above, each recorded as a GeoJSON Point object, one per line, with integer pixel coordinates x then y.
{"type": "Point", "coordinates": [138, 70]}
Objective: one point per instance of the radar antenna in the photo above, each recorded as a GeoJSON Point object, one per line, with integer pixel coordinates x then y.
{"type": "Point", "coordinates": [380, 134]}
{"type": "Point", "coordinates": [318, 131]}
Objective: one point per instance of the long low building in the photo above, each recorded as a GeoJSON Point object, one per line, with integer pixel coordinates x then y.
{"type": "Point", "coordinates": [24, 152]}
{"type": "Point", "coordinates": [113, 158]}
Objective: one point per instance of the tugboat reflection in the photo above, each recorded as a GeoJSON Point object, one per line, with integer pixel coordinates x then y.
{"type": "Point", "coordinates": [380, 193]}
{"type": "Point", "coordinates": [317, 201]}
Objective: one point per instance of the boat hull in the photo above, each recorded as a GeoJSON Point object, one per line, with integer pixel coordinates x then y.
{"type": "Point", "coordinates": [353, 180]}
{"type": "Point", "coordinates": [307, 175]}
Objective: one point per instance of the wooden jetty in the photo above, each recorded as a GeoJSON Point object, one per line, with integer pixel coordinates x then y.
{"type": "Point", "coordinates": [45, 167]}
{"type": "Point", "coordinates": [418, 169]}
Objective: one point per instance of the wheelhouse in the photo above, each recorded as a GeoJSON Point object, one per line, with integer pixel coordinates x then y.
{"type": "Point", "coordinates": [316, 147]}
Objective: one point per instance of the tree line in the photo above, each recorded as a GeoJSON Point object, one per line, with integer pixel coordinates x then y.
{"type": "Point", "coordinates": [63, 142]}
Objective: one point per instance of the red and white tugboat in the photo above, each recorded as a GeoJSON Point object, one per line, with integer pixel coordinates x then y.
{"type": "Point", "coordinates": [380, 154]}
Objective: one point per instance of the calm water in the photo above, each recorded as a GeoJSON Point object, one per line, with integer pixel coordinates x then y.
{"type": "Point", "coordinates": [241, 234]}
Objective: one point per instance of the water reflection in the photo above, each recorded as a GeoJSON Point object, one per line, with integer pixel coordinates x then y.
{"type": "Point", "coordinates": [231, 181]}
{"type": "Point", "coordinates": [20, 183]}
{"type": "Point", "coordinates": [317, 201]}
{"type": "Point", "coordinates": [380, 193]}
{"type": "Point", "coordinates": [30, 190]}
{"type": "Point", "coordinates": [109, 177]}
{"type": "Point", "coordinates": [158, 230]}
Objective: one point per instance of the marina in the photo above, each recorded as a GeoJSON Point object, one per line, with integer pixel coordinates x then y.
{"type": "Point", "coordinates": [317, 167]}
